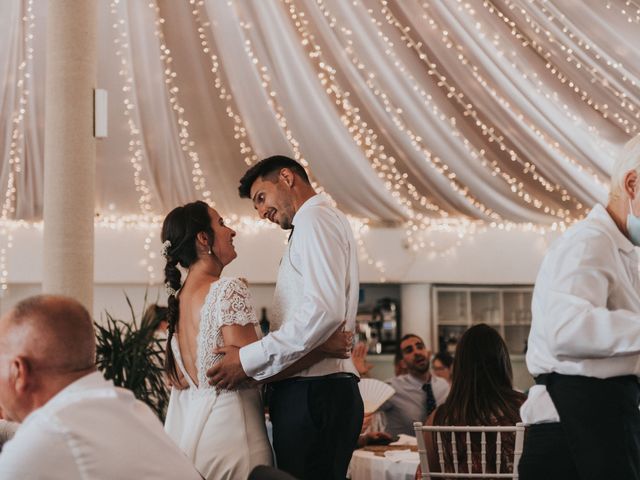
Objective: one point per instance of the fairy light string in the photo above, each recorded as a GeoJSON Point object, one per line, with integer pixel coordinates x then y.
{"type": "Point", "coordinates": [364, 136]}
{"type": "Point", "coordinates": [136, 144]}
{"type": "Point", "coordinates": [514, 185]}
{"type": "Point", "coordinates": [17, 136]}
{"type": "Point", "coordinates": [563, 214]}
{"type": "Point", "coordinates": [592, 53]}
{"type": "Point", "coordinates": [492, 132]}
{"type": "Point", "coordinates": [137, 159]}
{"type": "Point", "coordinates": [585, 96]}
{"type": "Point", "coordinates": [186, 144]}
{"type": "Point", "coordinates": [224, 93]}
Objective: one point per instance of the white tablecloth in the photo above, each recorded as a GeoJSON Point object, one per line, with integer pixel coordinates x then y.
{"type": "Point", "coordinates": [367, 466]}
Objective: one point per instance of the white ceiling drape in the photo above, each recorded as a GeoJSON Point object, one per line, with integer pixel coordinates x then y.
{"type": "Point", "coordinates": [502, 110]}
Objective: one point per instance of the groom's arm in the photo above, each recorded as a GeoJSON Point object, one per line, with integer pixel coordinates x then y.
{"type": "Point", "coordinates": [338, 346]}
{"type": "Point", "coordinates": [322, 262]}
{"type": "Point", "coordinates": [228, 372]}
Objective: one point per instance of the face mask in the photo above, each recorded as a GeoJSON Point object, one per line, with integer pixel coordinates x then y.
{"type": "Point", "coordinates": [633, 226]}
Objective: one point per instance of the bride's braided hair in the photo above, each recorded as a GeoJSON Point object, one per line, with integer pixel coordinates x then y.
{"type": "Point", "coordinates": [179, 231]}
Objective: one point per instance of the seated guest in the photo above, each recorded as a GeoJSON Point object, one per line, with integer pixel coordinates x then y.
{"type": "Point", "coordinates": [441, 365]}
{"type": "Point", "coordinates": [584, 344]}
{"type": "Point", "coordinates": [417, 393]}
{"type": "Point", "coordinates": [74, 423]}
{"type": "Point", "coordinates": [481, 394]}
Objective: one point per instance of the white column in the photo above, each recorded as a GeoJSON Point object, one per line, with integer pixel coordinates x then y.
{"type": "Point", "coordinates": [69, 149]}
{"type": "Point", "coordinates": [416, 311]}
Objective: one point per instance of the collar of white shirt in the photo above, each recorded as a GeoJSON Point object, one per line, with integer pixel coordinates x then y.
{"type": "Point", "coordinates": [317, 199]}
{"type": "Point", "coordinates": [417, 382]}
{"type": "Point", "coordinates": [600, 215]}
{"type": "Point", "coordinates": [93, 382]}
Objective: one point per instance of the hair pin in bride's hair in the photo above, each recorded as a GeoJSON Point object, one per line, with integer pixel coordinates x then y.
{"type": "Point", "coordinates": [165, 249]}
{"type": "Point", "coordinates": [170, 290]}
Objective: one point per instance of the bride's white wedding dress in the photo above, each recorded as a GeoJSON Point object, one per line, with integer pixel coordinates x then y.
{"type": "Point", "coordinates": [224, 433]}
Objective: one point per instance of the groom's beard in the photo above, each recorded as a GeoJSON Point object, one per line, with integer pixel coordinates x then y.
{"type": "Point", "coordinates": [284, 216]}
{"type": "Point", "coordinates": [286, 224]}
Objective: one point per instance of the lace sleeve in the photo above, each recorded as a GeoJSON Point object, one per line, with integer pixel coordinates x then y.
{"type": "Point", "coordinates": [235, 304]}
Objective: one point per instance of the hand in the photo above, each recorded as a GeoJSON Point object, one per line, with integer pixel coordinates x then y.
{"type": "Point", "coordinates": [359, 357]}
{"type": "Point", "coordinates": [374, 438]}
{"type": "Point", "coordinates": [228, 373]}
{"type": "Point", "coordinates": [366, 422]}
{"type": "Point", "coordinates": [377, 438]}
{"type": "Point", "coordinates": [338, 345]}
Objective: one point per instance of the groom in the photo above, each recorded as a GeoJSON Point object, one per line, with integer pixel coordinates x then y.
{"type": "Point", "coordinates": [317, 414]}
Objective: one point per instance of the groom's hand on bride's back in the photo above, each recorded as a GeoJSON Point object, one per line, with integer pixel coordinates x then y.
{"type": "Point", "coordinates": [228, 373]}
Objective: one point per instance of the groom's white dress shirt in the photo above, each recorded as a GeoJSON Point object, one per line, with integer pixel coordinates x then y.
{"type": "Point", "coordinates": [586, 310]}
{"type": "Point", "coordinates": [317, 288]}
{"type": "Point", "coordinates": [93, 430]}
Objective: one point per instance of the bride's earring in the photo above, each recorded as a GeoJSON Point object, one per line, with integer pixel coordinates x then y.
{"type": "Point", "coordinates": [210, 252]}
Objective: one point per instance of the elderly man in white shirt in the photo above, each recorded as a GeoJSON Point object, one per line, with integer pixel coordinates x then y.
{"type": "Point", "coordinates": [74, 424]}
{"type": "Point", "coordinates": [584, 345]}
{"type": "Point", "coordinates": [317, 415]}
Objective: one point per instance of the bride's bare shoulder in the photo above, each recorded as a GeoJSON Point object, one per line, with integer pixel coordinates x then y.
{"type": "Point", "coordinates": [196, 293]}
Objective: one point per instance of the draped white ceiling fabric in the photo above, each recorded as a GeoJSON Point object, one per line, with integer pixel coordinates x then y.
{"type": "Point", "coordinates": [406, 111]}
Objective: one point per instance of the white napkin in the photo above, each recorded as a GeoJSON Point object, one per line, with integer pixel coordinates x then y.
{"type": "Point", "coordinates": [400, 455]}
{"type": "Point", "coordinates": [405, 440]}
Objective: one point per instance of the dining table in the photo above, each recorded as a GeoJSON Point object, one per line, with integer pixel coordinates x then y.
{"type": "Point", "coordinates": [384, 462]}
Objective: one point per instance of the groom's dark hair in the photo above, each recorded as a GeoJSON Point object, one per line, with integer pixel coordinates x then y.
{"type": "Point", "coordinates": [266, 167]}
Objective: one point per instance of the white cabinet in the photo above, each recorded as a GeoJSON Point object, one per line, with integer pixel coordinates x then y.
{"type": "Point", "coordinates": [505, 308]}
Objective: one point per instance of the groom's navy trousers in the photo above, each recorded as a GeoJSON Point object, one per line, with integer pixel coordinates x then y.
{"type": "Point", "coordinates": [316, 424]}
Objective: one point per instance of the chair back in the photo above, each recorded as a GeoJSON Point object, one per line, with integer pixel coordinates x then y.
{"type": "Point", "coordinates": [451, 444]}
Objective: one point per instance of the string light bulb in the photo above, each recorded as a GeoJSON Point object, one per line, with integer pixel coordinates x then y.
{"type": "Point", "coordinates": [186, 144]}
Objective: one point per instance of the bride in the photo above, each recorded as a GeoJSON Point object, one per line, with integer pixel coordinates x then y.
{"type": "Point", "coordinates": [222, 432]}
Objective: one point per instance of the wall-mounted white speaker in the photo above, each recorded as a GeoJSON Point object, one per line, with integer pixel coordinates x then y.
{"type": "Point", "coordinates": [99, 113]}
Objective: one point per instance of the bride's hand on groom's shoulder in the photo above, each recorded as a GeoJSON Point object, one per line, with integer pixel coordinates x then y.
{"type": "Point", "coordinates": [339, 343]}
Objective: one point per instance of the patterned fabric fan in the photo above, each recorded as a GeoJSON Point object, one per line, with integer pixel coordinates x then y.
{"type": "Point", "coordinates": [374, 393]}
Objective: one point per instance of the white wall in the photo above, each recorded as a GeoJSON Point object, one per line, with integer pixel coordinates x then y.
{"type": "Point", "coordinates": [121, 263]}
{"type": "Point", "coordinates": [494, 256]}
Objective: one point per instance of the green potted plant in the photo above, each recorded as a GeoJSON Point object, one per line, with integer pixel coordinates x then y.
{"type": "Point", "coordinates": [132, 355]}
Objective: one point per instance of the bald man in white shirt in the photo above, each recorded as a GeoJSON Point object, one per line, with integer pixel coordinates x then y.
{"type": "Point", "coordinates": [317, 415]}
{"type": "Point", "coordinates": [584, 345]}
{"type": "Point", "coordinates": [74, 423]}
